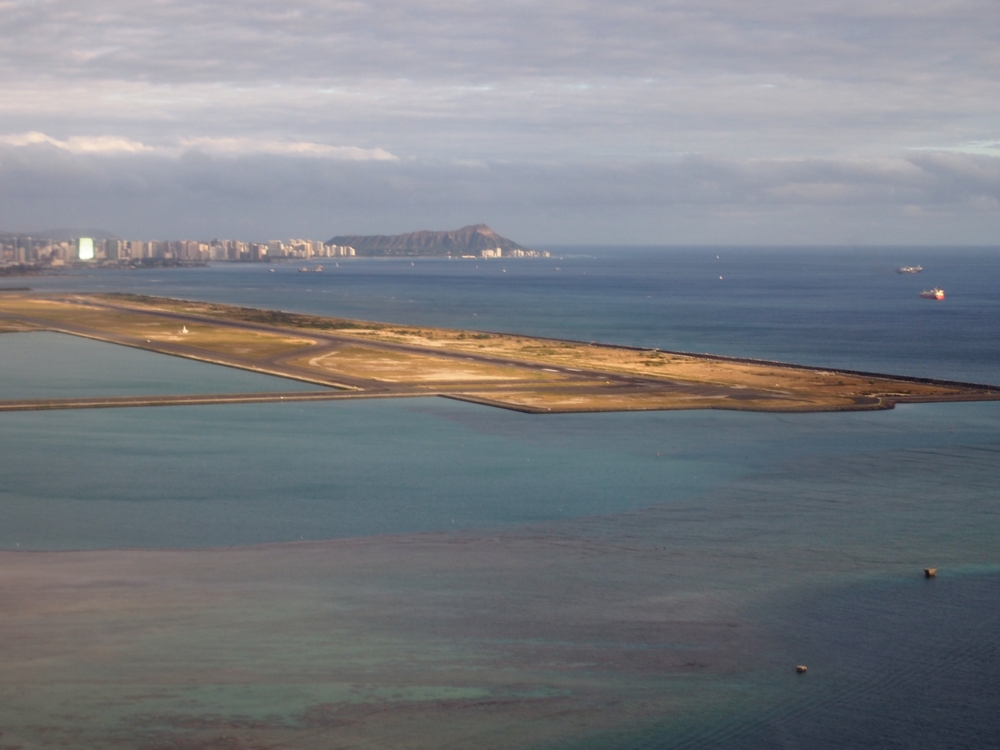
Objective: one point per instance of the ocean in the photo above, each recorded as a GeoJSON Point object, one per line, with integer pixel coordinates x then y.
{"type": "Point", "coordinates": [656, 575]}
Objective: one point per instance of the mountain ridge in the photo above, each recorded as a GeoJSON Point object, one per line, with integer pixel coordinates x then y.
{"type": "Point", "coordinates": [472, 239]}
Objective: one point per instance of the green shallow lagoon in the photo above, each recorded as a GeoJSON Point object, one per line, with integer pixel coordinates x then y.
{"type": "Point", "coordinates": [55, 365]}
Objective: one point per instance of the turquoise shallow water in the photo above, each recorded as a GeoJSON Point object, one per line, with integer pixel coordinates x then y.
{"type": "Point", "coordinates": [218, 475]}
{"type": "Point", "coordinates": [809, 529]}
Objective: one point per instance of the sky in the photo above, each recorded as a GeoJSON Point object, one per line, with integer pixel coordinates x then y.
{"type": "Point", "coordinates": [555, 122]}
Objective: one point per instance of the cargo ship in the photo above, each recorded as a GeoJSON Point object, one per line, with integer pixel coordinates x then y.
{"type": "Point", "coordinates": [909, 269]}
{"type": "Point", "coordinates": [934, 293]}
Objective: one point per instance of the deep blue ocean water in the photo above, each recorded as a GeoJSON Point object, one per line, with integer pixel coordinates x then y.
{"type": "Point", "coordinates": [894, 661]}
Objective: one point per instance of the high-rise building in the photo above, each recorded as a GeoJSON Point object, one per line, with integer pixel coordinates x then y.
{"type": "Point", "coordinates": [85, 248]}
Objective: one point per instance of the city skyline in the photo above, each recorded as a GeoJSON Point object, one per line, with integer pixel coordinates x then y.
{"type": "Point", "coordinates": [46, 251]}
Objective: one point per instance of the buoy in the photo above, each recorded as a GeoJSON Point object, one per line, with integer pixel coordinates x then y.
{"type": "Point", "coordinates": [801, 669]}
{"type": "Point", "coordinates": [930, 572]}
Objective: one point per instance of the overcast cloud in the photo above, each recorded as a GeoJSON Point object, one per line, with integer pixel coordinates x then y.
{"type": "Point", "coordinates": [555, 122]}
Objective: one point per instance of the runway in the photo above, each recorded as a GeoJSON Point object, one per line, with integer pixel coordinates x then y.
{"type": "Point", "coordinates": [385, 360]}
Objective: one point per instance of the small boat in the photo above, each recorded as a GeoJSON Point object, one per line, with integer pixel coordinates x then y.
{"type": "Point", "coordinates": [909, 269]}
{"type": "Point", "coordinates": [934, 293]}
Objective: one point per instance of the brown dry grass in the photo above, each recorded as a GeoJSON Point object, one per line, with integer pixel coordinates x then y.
{"type": "Point", "coordinates": [825, 385]}
{"type": "Point", "coordinates": [405, 367]}
{"type": "Point", "coordinates": [661, 365]}
{"type": "Point", "coordinates": [211, 339]}
{"type": "Point", "coordinates": [505, 379]}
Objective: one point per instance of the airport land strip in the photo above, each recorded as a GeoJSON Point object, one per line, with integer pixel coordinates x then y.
{"type": "Point", "coordinates": [349, 359]}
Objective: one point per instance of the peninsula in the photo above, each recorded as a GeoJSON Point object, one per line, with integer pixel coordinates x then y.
{"type": "Point", "coordinates": [362, 359]}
